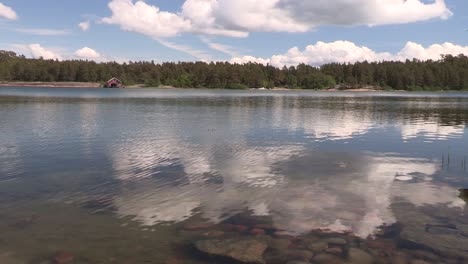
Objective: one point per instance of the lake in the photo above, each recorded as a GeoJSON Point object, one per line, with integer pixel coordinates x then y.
{"type": "Point", "coordinates": [203, 176]}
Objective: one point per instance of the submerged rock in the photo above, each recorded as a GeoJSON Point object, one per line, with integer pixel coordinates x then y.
{"type": "Point", "coordinates": [447, 245]}
{"type": "Point", "coordinates": [235, 228]}
{"type": "Point", "coordinates": [418, 261]}
{"type": "Point", "coordinates": [284, 234]}
{"type": "Point", "coordinates": [334, 250]}
{"type": "Point", "coordinates": [197, 226]}
{"type": "Point", "coordinates": [424, 231]}
{"type": "Point", "coordinates": [327, 259]}
{"type": "Point", "coordinates": [318, 246]}
{"type": "Point", "coordinates": [299, 254]}
{"type": "Point", "coordinates": [280, 244]}
{"type": "Point", "coordinates": [63, 257]}
{"type": "Point", "coordinates": [213, 234]}
{"type": "Point", "coordinates": [358, 256]}
{"type": "Point", "coordinates": [336, 241]}
{"type": "Point", "coordinates": [297, 262]}
{"type": "Point", "coordinates": [257, 231]}
{"type": "Point", "coordinates": [424, 255]}
{"type": "Point", "coordinates": [400, 258]}
{"type": "Point", "coordinates": [245, 250]}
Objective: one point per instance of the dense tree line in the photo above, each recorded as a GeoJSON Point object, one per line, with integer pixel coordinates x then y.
{"type": "Point", "coordinates": [448, 73]}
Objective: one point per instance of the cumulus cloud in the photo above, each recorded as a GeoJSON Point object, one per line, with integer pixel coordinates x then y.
{"type": "Point", "coordinates": [345, 51]}
{"type": "Point", "coordinates": [37, 51]}
{"type": "Point", "coordinates": [237, 18]}
{"type": "Point", "coordinates": [247, 59]}
{"type": "Point", "coordinates": [433, 52]}
{"type": "Point", "coordinates": [87, 53]}
{"type": "Point", "coordinates": [7, 12]}
{"type": "Point", "coordinates": [146, 19]}
{"type": "Point", "coordinates": [85, 25]}
{"type": "Point", "coordinates": [365, 12]}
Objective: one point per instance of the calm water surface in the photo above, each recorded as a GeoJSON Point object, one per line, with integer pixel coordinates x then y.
{"type": "Point", "coordinates": [154, 176]}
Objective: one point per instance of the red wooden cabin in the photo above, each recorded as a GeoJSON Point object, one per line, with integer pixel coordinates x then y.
{"type": "Point", "coordinates": [113, 83]}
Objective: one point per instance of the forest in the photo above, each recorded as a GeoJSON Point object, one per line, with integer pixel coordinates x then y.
{"type": "Point", "coordinates": [447, 73]}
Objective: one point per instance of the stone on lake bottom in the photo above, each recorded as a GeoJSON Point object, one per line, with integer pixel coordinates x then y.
{"type": "Point", "coordinates": [244, 250]}
{"type": "Point", "coordinates": [325, 258]}
{"type": "Point", "coordinates": [358, 256]}
{"type": "Point", "coordinates": [63, 258]}
{"type": "Point", "coordinates": [297, 262]}
{"type": "Point", "coordinates": [266, 227]}
{"type": "Point", "coordinates": [238, 228]}
{"type": "Point", "coordinates": [318, 246]}
{"type": "Point", "coordinates": [425, 255]}
{"type": "Point", "coordinates": [213, 234]}
{"type": "Point", "coordinates": [400, 258]}
{"type": "Point", "coordinates": [257, 231]}
{"type": "Point", "coordinates": [284, 234]}
{"type": "Point", "coordinates": [299, 254]}
{"type": "Point", "coordinates": [197, 226]}
{"type": "Point", "coordinates": [335, 251]}
{"type": "Point", "coordinates": [336, 241]}
{"type": "Point", "coordinates": [280, 244]}
{"type": "Point", "coordinates": [418, 261]}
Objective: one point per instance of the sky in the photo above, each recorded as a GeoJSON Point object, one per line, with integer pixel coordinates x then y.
{"type": "Point", "coordinates": [277, 32]}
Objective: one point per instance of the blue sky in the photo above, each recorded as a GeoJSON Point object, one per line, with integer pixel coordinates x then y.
{"type": "Point", "coordinates": [155, 29]}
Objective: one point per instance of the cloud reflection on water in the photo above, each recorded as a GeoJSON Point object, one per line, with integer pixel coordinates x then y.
{"type": "Point", "coordinates": [299, 190]}
{"type": "Point", "coordinates": [431, 131]}
{"type": "Point", "coordinates": [220, 158]}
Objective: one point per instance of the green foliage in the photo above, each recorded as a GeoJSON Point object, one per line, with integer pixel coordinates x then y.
{"type": "Point", "coordinates": [236, 86]}
{"type": "Point", "coordinates": [151, 83]}
{"type": "Point", "coordinates": [415, 88]}
{"type": "Point", "coordinates": [448, 73]}
{"type": "Point", "coordinates": [185, 80]}
{"type": "Point", "coordinates": [318, 80]}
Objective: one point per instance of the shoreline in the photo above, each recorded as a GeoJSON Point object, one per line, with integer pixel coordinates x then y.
{"type": "Point", "coordinates": [52, 84]}
{"type": "Point", "coordinates": [88, 85]}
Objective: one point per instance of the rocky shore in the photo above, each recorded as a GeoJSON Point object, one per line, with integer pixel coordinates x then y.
{"type": "Point", "coordinates": [264, 244]}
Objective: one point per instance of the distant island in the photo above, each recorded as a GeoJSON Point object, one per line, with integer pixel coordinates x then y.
{"type": "Point", "coordinates": [450, 73]}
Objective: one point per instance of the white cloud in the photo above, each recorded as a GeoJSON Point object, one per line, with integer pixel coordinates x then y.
{"type": "Point", "coordinates": [37, 51]}
{"type": "Point", "coordinates": [201, 55]}
{"type": "Point", "coordinates": [146, 19]}
{"type": "Point", "coordinates": [247, 59]}
{"type": "Point", "coordinates": [202, 15]}
{"type": "Point", "coordinates": [433, 52]}
{"type": "Point", "coordinates": [365, 12]}
{"type": "Point", "coordinates": [7, 12]}
{"type": "Point", "coordinates": [345, 51]}
{"type": "Point", "coordinates": [87, 53]}
{"type": "Point", "coordinates": [237, 18]}
{"type": "Point", "coordinates": [61, 53]}
{"type": "Point", "coordinates": [43, 31]}
{"type": "Point", "coordinates": [226, 49]}
{"type": "Point", "coordinates": [85, 25]}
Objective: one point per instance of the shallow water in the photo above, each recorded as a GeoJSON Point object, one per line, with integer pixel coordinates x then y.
{"type": "Point", "coordinates": [139, 176]}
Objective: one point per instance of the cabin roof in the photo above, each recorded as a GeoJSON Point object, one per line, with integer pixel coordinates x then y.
{"type": "Point", "coordinates": [114, 79]}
